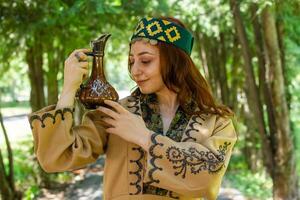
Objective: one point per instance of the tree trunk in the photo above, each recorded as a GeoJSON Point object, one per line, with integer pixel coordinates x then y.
{"type": "Point", "coordinates": [34, 59]}
{"type": "Point", "coordinates": [253, 94]}
{"type": "Point", "coordinates": [264, 81]}
{"type": "Point", "coordinates": [280, 35]}
{"type": "Point", "coordinates": [285, 179]}
{"type": "Point", "coordinates": [7, 183]}
{"type": "Point", "coordinates": [10, 176]}
{"type": "Point", "coordinates": [5, 189]}
{"type": "Point", "coordinates": [215, 66]}
{"type": "Point", "coordinates": [251, 153]}
{"type": "Point", "coordinates": [222, 70]}
{"type": "Point", "coordinates": [202, 55]}
{"type": "Point", "coordinates": [207, 58]}
{"type": "Point", "coordinates": [53, 67]}
{"type": "Point", "coordinates": [236, 78]}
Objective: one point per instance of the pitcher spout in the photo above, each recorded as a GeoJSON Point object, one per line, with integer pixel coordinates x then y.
{"type": "Point", "coordinates": [99, 44]}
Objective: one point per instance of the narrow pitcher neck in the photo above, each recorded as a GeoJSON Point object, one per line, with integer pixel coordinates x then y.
{"type": "Point", "coordinates": [98, 68]}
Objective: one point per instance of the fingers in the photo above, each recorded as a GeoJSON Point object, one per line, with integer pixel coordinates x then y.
{"type": "Point", "coordinates": [108, 121]}
{"type": "Point", "coordinates": [75, 71]}
{"type": "Point", "coordinates": [81, 57]}
{"type": "Point", "coordinates": [109, 112]}
{"type": "Point", "coordinates": [108, 124]}
{"type": "Point", "coordinates": [79, 54]}
{"type": "Point", "coordinates": [84, 65]}
{"type": "Point", "coordinates": [115, 105]}
{"type": "Point", "coordinates": [111, 130]}
{"type": "Point", "coordinates": [84, 73]}
{"type": "Point", "coordinates": [81, 51]}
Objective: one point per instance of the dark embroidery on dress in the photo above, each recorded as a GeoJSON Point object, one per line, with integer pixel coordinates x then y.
{"type": "Point", "coordinates": [134, 100]}
{"type": "Point", "coordinates": [138, 173]}
{"type": "Point", "coordinates": [153, 158]}
{"type": "Point", "coordinates": [178, 125]}
{"type": "Point", "coordinates": [139, 170]}
{"type": "Point", "coordinates": [171, 195]}
{"type": "Point", "coordinates": [153, 121]}
{"type": "Point", "coordinates": [150, 189]}
{"type": "Point", "coordinates": [49, 115]}
{"type": "Point", "coordinates": [150, 113]}
{"type": "Point", "coordinates": [196, 160]}
{"type": "Point", "coordinates": [192, 128]}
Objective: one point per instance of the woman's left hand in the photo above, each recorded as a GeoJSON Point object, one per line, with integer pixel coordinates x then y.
{"type": "Point", "coordinates": [125, 124]}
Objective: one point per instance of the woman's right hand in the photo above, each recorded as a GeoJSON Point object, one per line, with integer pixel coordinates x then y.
{"type": "Point", "coordinates": [75, 69]}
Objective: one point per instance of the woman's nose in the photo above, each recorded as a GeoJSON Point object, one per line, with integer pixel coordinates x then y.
{"type": "Point", "coordinates": [135, 70]}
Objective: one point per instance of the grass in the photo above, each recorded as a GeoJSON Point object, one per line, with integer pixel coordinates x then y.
{"type": "Point", "coordinates": [15, 104]}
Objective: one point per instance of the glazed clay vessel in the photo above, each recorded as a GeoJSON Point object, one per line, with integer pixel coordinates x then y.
{"type": "Point", "coordinates": [96, 89]}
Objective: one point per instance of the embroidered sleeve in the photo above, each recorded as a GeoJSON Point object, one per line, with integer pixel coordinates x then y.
{"type": "Point", "coordinates": [60, 146]}
{"type": "Point", "coordinates": [190, 168]}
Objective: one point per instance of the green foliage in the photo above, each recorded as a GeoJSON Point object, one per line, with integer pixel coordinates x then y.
{"type": "Point", "coordinates": [253, 185]}
{"type": "Point", "coordinates": [32, 192]}
{"type": "Point", "coordinates": [26, 169]}
{"type": "Point", "coordinates": [289, 15]}
{"type": "Point", "coordinates": [14, 85]}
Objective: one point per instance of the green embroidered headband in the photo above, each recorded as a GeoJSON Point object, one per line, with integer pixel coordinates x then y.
{"type": "Point", "coordinates": [165, 31]}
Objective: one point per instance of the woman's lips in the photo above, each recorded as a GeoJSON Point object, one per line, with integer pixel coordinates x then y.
{"type": "Point", "coordinates": [141, 82]}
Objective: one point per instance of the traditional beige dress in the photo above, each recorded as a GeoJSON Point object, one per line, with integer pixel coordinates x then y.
{"type": "Point", "coordinates": [186, 163]}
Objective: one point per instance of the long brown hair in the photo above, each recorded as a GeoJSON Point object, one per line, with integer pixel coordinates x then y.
{"type": "Point", "coordinates": [180, 74]}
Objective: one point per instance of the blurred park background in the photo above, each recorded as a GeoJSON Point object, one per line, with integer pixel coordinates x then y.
{"type": "Point", "coordinates": [248, 50]}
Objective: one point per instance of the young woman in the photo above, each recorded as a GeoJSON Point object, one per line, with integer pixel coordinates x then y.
{"type": "Point", "coordinates": [167, 140]}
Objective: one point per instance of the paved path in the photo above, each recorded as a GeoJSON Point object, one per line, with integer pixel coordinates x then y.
{"type": "Point", "coordinates": [17, 128]}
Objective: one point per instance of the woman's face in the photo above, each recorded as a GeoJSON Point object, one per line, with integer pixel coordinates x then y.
{"type": "Point", "coordinates": [145, 67]}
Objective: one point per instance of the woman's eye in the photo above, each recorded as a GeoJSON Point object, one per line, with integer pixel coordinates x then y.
{"type": "Point", "coordinates": [146, 61]}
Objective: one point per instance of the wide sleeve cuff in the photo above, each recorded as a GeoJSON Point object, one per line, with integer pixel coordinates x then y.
{"type": "Point", "coordinates": [47, 113]}
{"type": "Point", "coordinates": [61, 146]}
